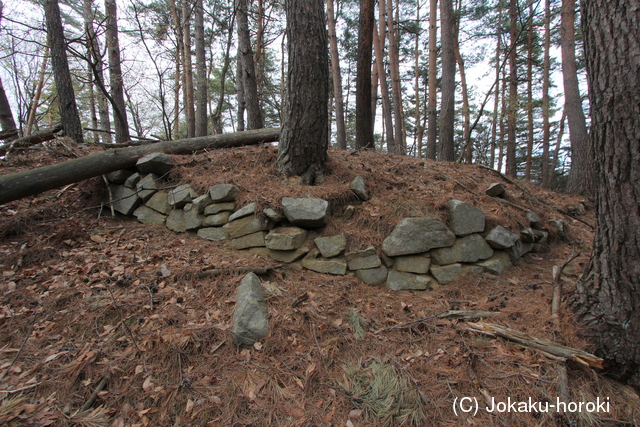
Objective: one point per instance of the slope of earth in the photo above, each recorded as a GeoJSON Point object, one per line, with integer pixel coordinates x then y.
{"type": "Point", "coordinates": [106, 322]}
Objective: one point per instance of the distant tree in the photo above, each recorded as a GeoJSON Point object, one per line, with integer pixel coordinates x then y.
{"type": "Point", "coordinates": [513, 90]}
{"type": "Point", "coordinates": [399, 145]}
{"type": "Point", "coordinates": [248, 74]}
{"type": "Point", "coordinates": [187, 69]}
{"type": "Point", "coordinates": [304, 142]}
{"type": "Point", "coordinates": [64, 86]}
{"type": "Point", "coordinates": [546, 101]}
{"type": "Point", "coordinates": [364, 116]}
{"type": "Point", "coordinates": [115, 72]}
{"type": "Point", "coordinates": [432, 106]}
{"type": "Point", "coordinates": [341, 136]}
{"type": "Point", "coordinates": [448, 23]}
{"type": "Point", "coordinates": [201, 95]}
{"type": "Point", "coordinates": [610, 292]}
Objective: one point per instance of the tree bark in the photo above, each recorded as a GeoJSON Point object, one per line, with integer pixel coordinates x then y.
{"type": "Point", "coordinates": [419, 129]}
{"type": "Point", "coordinates": [610, 293]}
{"type": "Point", "coordinates": [546, 71]}
{"type": "Point", "coordinates": [432, 107]}
{"type": "Point", "coordinates": [513, 91]}
{"type": "Point", "coordinates": [579, 180]}
{"type": "Point", "coordinates": [364, 119]}
{"type": "Point", "coordinates": [245, 55]}
{"type": "Point", "coordinates": [530, 124]}
{"type": "Point", "coordinates": [399, 146]}
{"type": "Point", "coordinates": [496, 100]}
{"type": "Point", "coordinates": [447, 19]}
{"type": "Point", "coordinates": [35, 102]}
{"type": "Point", "coordinates": [341, 135]}
{"type": "Point", "coordinates": [466, 110]}
{"type": "Point", "coordinates": [29, 140]}
{"type": "Point", "coordinates": [6, 116]}
{"type": "Point", "coordinates": [187, 69]}
{"type": "Point", "coordinates": [28, 183]}
{"type": "Point", "coordinates": [179, 76]}
{"type": "Point", "coordinates": [378, 46]}
{"type": "Point", "coordinates": [202, 93]}
{"type": "Point", "coordinates": [304, 141]}
{"type": "Point", "coordinates": [115, 73]}
{"type": "Point", "coordinates": [64, 86]}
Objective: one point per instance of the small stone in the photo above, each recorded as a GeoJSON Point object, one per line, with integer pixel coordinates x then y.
{"type": "Point", "coordinates": [363, 260]}
{"type": "Point", "coordinates": [223, 193]}
{"type": "Point", "coordinates": [201, 202]}
{"type": "Point", "coordinates": [331, 246]}
{"type": "Point", "coordinates": [247, 225]}
{"type": "Point", "coordinates": [247, 210]}
{"type": "Point", "coordinates": [399, 281]}
{"type": "Point", "coordinates": [253, 240]}
{"type": "Point", "coordinates": [159, 164]}
{"type": "Point", "coordinates": [306, 212]}
{"type": "Point", "coordinates": [216, 220]}
{"type": "Point", "coordinates": [147, 215]}
{"type": "Point", "coordinates": [497, 264]}
{"type": "Point", "coordinates": [373, 276]}
{"type": "Point", "coordinates": [175, 221]}
{"type": "Point", "coordinates": [496, 190]}
{"type": "Point", "coordinates": [287, 256]}
{"type": "Point", "coordinates": [470, 248]}
{"type": "Point", "coordinates": [273, 215]}
{"type": "Point", "coordinates": [501, 238]}
{"type": "Point", "coordinates": [359, 187]}
{"type": "Point", "coordinates": [472, 269]}
{"type": "Point", "coordinates": [335, 266]}
{"type": "Point", "coordinates": [446, 273]}
{"type": "Point", "coordinates": [560, 226]}
{"type": "Point", "coordinates": [132, 180]}
{"type": "Point", "coordinates": [181, 195]}
{"type": "Point", "coordinates": [250, 317]}
{"type": "Point", "coordinates": [286, 238]}
{"type": "Point", "coordinates": [534, 220]}
{"type": "Point", "coordinates": [348, 213]}
{"type": "Point", "coordinates": [215, 234]}
{"type": "Point", "coordinates": [219, 207]}
{"type": "Point", "coordinates": [418, 264]}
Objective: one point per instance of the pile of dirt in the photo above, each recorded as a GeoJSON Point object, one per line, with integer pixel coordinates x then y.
{"type": "Point", "coordinates": [108, 322]}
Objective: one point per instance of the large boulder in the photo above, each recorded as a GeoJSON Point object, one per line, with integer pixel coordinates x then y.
{"type": "Point", "coordinates": [156, 163]}
{"type": "Point", "coordinates": [417, 235]}
{"type": "Point", "coordinates": [399, 281]}
{"type": "Point", "coordinates": [466, 249]}
{"type": "Point", "coordinates": [250, 316]}
{"type": "Point", "coordinates": [306, 212]}
{"type": "Point", "coordinates": [501, 238]}
{"type": "Point", "coordinates": [465, 219]}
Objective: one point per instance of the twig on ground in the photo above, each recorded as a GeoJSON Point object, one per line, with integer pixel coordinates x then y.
{"type": "Point", "coordinates": [446, 314]}
{"type": "Point", "coordinates": [89, 403]}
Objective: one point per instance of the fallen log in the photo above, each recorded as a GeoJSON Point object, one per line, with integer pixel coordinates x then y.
{"type": "Point", "coordinates": [29, 183]}
{"type": "Point", "coordinates": [29, 140]}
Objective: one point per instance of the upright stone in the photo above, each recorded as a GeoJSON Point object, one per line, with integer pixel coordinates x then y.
{"type": "Point", "coordinates": [160, 202]}
{"type": "Point", "coordinates": [417, 235]}
{"type": "Point", "coordinates": [176, 222]}
{"type": "Point", "coordinates": [306, 212]}
{"type": "Point", "coordinates": [125, 199]}
{"type": "Point", "coordinates": [223, 193]}
{"type": "Point", "coordinates": [250, 316]}
{"type": "Point", "coordinates": [465, 219]}
{"type": "Point", "coordinates": [192, 219]}
{"type": "Point", "coordinates": [132, 180]}
{"type": "Point", "coordinates": [156, 163]}
{"type": "Point", "coordinates": [359, 187]}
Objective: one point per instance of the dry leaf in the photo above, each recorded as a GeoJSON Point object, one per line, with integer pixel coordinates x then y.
{"type": "Point", "coordinates": [189, 406]}
{"type": "Point", "coordinates": [98, 239]}
{"type": "Point", "coordinates": [147, 383]}
{"type": "Point", "coordinates": [139, 369]}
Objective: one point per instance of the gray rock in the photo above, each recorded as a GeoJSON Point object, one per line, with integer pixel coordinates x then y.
{"type": "Point", "coordinates": [306, 212]}
{"type": "Point", "coordinates": [417, 235]}
{"type": "Point", "coordinates": [219, 207]}
{"type": "Point", "coordinates": [201, 202]}
{"type": "Point", "coordinates": [156, 163]}
{"type": "Point", "coordinates": [125, 199]}
{"type": "Point", "coordinates": [285, 238]}
{"type": "Point", "coordinates": [160, 202]}
{"type": "Point", "coordinates": [335, 266]}
{"type": "Point", "coordinates": [418, 264]}
{"type": "Point", "coordinates": [497, 264]}
{"type": "Point", "coordinates": [118, 177]}
{"type": "Point", "coordinates": [287, 256]}
{"type": "Point", "coordinates": [533, 219]}
{"type": "Point", "coordinates": [215, 234]}
{"type": "Point", "coordinates": [223, 193]}
{"type": "Point", "coordinates": [175, 221]}
{"type": "Point", "coordinates": [146, 215]}
{"type": "Point", "coordinates": [192, 219]}
{"type": "Point", "coordinates": [359, 187]}
{"type": "Point", "coordinates": [472, 269]}
{"type": "Point", "coordinates": [446, 273]}
{"type": "Point", "coordinates": [528, 235]}
{"type": "Point", "coordinates": [373, 276]}
{"type": "Point", "coordinates": [181, 195]}
{"type": "Point", "coordinates": [387, 261]}
{"type": "Point", "coordinates": [496, 190]}
{"type": "Point", "coordinates": [148, 186]}
{"type": "Point", "coordinates": [273, 215]}
{"type": "Point", "coordinates": [132, 180]}
{"type": "Point", "coordinates": [466, 249]}
{"type": "Point", "coordinates": [331, 246]}
{"type": "Point", "coordinates": [247, 210]}
{"type": "Point", "coordinates": [518, 250]}
{"type": "Point", "coordinates": [560, 226]}
{"type": "Point", "coordinates": [363, 260]}
{"type": "Point", "coordinates": [216, 220]}
{"type": "Point", "coordinates": [247, 225]}
{"type": "Point", "coordinates": [465, 219]}
{"type": "Point", "coordinates": [348, 212]}
{"type": "Point", "coordinates": [253, 240]}
{"type": "Point", "coordinates": [250, 316]}
{"type": "Point", "coordinates": [399, 281]}
{"type": "Point", "coordinates": [501, 238]}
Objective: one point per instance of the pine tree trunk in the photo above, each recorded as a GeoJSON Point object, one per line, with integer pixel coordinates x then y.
{"type": "Point", "coordinates": [466, 111]}
{"type": "Point", "coordinates": [364, 118]}
{"type": "Point", "coordinates": [416, 73]}
{"type": "Point", "coordinates": [513, 91]}
{"type": "Point", "coordinates": [396, 88]}
{"type": "Point", "coordinates": [497, 97]}
{"type": "Point", "coordinates": [216, 116]}
{"type": "Point", "coordinates": [187, 69]}
{"type": "Point", "coordinates": [610, 294]}
{"type": "Point", "coordinates": [432, 101]}
{"type": "Point", "coordinates": [579, 180]}
{"type": "Point", "coordinates": [546, 70]}
{"type": "Point", "coordinates": [304, 138]}
{"type": "Point", "coordinates": [245, 55]}
{"type": "Point", "coordinates": [447, 19]}
{"type": "Point", "coordinates": [378, 43]}
{"type": "Point", "coordinates": [240, 97]}
{"type": "Point", "coordinates": [179, 76]}
{"type": "Point", "coordinates": [35, 102]}
{"type": "Point", "coordinates": [201, 73]}
{"type": "Point", "coordinates": [341, 135]}
{"type": "Point", "coordinates": [115, 73]}
{"type": "Point", "coordinates": [64, 86]}
{"type": "Point", "coordinates": [7, 122]}
{"type": "Point", "coordinates": [527, 168]}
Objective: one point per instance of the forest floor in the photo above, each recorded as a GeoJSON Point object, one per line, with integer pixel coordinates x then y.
{"type": "Point", "coordinates": [106, 322]}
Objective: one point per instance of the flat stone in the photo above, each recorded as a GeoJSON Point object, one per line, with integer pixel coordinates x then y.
{"type": "Point", "coordinates": [331, 246]}
{"type": "Point", "coordinates": [446, 273]}
{"type": "Point", "coordinates": [273, 215]}
{"type": "Point", "coordinates": [287, 256]}
{"type": "Point", "coordinates": [465, 219]}
{"type": "Point", "coordinates": [285, 238]}
{"type": "Point", "coordinates": [132, 180]}
{"type": "Point", "coordinates": [253, 240]}
{"type": "Point", "coordinates": [146, 215]}
{"type": "Point", "coordinates": [466, 249]}
{"type": "Point", "coordinates": [160, 202]}
{"type": "Point", "coordinates": [193, 219]}
{"type": "Point", "coordinates": [175, 221]}
{"type": "Point", "coordinates": [497, 264]}
{"type": "Point", "coordinates": [373, 276]}
{"type": "Point", "coordinates": [216, 220]}
{"type": "Point", "coordinates": [118, 177]}
{"type": "Point", "coordinates": [417, 235]}
{"type": "Point", "coordinates": [359, 187]}
{"type": "Point", "coordinates": [472, 269]}
{"type": "Point", "coordinates": [400, 281]}
{"type": "Point", "coordinates": [201, 202]}
{"type": "Point", "coordinates": [181, 195]}
{"type": "Point", "coordinates": [363, 260]}
{"type": "Point", "coordinates": [501, 238]}
{"type": "Point", "coordinates": [247, 210]}
{"type": "Point", "coordinates": [306, 212]}
{"type": "Point", "coordinates": [250, 320]}
{"type": "Point", "coordinates": [223, 193]}
{"type": "Point", "coordinates": [156, 163]}
{"type": "Point", "coordinates": [125, 199]}
{"type": "Point", "coordinates": [335, 266]}
{"type": "Point", "coordinates": [219, 207]}
{"type": "Point", "coordinates": [215, 234]}
{"type": "Point", "coordinates": [247, 225]}
{"type": "Point", "coordinates": [148, 186]}
{"type": "Point", "coordinates": [418, 264]}
{"type": "Point", "coordinates": [496, 190]}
